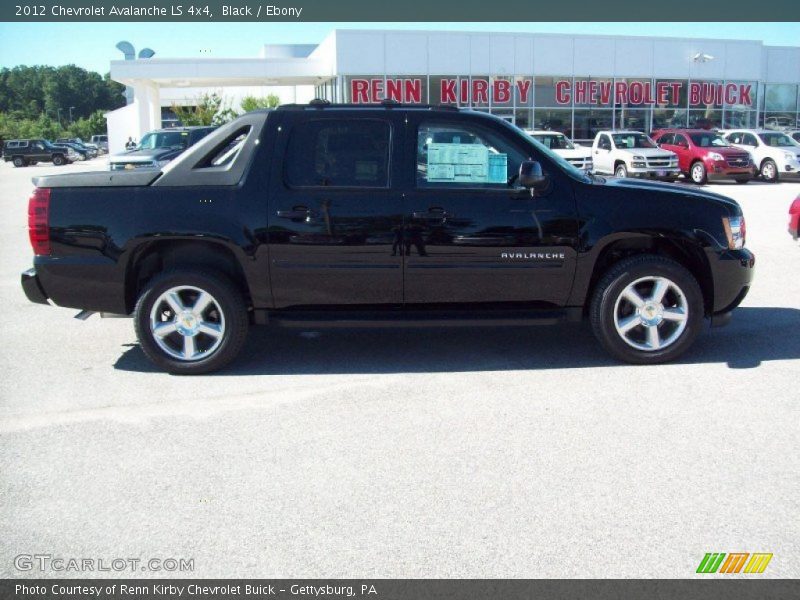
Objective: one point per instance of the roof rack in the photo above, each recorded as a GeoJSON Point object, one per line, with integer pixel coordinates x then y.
{"type": "Point", "coordinates": [321, 103]}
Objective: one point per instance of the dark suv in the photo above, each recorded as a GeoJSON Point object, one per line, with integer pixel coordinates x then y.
{"type": "Point", "coordinates": [395, 215]}
{"type": "Point", "coordinates": [158, 147]}
{"type": "Point", "coordinates": [29, 152]}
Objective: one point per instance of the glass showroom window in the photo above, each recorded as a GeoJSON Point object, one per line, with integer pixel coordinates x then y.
{"type": "Point", "coordinates": [780, 106]}
{"type": "Point", "coordinates": [708, 118]}
{"type": "Point", "coordinates": [589, 122]}
{"type": "Point", "coordinates": [633, 100]}
{"type": "Point", "coordinates": [671, 98]}
{"type": "Point", "coordinates": [740, 99]}
{"type": "Point", "coordinates": [553, 119]}
{"type": "Point", "coordinates": [449, 90]}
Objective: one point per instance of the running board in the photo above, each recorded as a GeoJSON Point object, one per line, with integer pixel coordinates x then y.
{"type": "Point", "coordinates": [383, 319]}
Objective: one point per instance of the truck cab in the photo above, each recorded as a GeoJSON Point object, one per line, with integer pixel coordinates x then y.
{"type": "Point", "coordinates": [625, 153]}
{"type": "Point", "coordinates": [349, 216]}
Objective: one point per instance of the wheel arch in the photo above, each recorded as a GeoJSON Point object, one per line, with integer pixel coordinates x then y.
{"type": "Point", "coordinates": [684, 251]}
{"type": "Point", "coordinates": [154, 256]}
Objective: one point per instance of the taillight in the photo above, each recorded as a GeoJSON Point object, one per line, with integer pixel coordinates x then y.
{"type": "Point", "coordinates": [39, 220]}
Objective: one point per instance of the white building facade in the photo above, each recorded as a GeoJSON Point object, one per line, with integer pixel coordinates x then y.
{"type": "Point", "coordinates": [576, 84]}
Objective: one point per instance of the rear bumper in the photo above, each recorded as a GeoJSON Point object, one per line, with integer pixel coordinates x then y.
{"type": "Point", "coordinates": [733, 272]}
{"type": "Point", "coordinates": [32, 288]}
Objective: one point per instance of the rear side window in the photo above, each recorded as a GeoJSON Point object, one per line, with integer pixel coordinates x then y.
{"type": "Point", "coordinates": [338, 153]}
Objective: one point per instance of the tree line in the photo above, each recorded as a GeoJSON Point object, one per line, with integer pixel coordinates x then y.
{"type": "Point", "coordinates": [51, 102]}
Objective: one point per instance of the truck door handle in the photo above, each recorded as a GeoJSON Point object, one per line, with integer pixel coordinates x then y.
{"type": "Point", "coordinates": [297, 212]}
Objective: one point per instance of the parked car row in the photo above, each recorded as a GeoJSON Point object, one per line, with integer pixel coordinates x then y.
{"type": "Point", "coordinates": [30, 152]}
{"type": "Point", "coordinates": [699, 155]}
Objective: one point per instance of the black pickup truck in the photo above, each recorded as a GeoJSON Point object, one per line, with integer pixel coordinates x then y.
{"type": "Point", "coordinates": [320, 214]}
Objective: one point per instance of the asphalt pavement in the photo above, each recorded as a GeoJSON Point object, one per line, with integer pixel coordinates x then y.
{"type": "Point", "coordinates": [439, 453]}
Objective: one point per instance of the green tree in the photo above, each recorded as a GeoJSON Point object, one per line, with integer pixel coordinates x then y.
{"type": "Point", "coordinates": [250, 103]}
{"type": "Point", "coordinates": [209, 109]}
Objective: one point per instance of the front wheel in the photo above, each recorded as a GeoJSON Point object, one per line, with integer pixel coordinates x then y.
{"type": "Point", "coordinates": [698, 173]}
{"type": "Point", "coordinates": [621, 170]}
{"type": "Point", "coordinates": [769, 171]}
{"type": "Point", "coordinates": [191, 321]}
{"type": "Point", "coordinates": [647, 309]}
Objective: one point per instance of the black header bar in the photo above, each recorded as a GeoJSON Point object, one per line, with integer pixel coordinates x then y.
{"type": "Point", "coordinates": [204, 11]}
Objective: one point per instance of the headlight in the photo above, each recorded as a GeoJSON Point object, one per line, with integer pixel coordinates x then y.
{"type": "Point", "coordinates": [735, 231]}
{"type": "Point", "coordinates": [715, 156]}
{"type": "Point", "coordinates": [638, 158]}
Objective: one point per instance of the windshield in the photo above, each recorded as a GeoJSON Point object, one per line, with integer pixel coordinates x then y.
{"type": "Point", "coordinates": [777, 139]}
{"type": "Point", "coordinates": [164, 139]}
{"type": "Point", "coordinates": [708, 140]}
{"type": "Point", "coordinates": [632, 140]}
{"type": "Point", "coordinates": [554, 141]}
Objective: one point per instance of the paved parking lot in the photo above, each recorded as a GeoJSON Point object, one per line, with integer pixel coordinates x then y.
{"type": "Point", "coordinates": [468, 453]}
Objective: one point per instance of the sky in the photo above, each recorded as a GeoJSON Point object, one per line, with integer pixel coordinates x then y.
{"type": "Point", "coordinates": [91, 45]}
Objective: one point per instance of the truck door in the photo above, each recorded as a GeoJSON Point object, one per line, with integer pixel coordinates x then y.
{"type": "Point", "coordinates": [333, 216]}
{"type": "Point", "coordinates": [603, 160]}
{"type": "Point", "coordinates": [471, 235]}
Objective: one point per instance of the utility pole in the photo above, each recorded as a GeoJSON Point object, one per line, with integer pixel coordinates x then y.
{"type": "Point", "coordinates": [71, 108]}
{"type": "Point", "coordinates": [59, 116]}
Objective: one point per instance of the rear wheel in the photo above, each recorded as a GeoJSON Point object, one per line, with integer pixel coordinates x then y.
{"type": "Point", "coordinates": [698, 173]}
{"type": "Point", "coordinates": [19, 161]}
{"type": "Point", "coordinates": [191, 321]}
{"type": "Point", "coordinates": [58, 160]}
{"type": "Point", "coordinates": [769, 171]}
{"type": "Point", "coordinates": [647, 309]}
{"type": "Point", "coordinates": [621, 170]}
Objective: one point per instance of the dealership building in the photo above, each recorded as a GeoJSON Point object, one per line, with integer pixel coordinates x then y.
{"type": "Point", "coordinates": [576, 84]}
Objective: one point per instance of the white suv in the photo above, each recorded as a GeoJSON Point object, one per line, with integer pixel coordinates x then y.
{"type": "Point", "coordinates": [774, 153]}
{"type": "Point", "coordinates": [633, 154]}
{"type": "Point", "coordinates": [575, 154]}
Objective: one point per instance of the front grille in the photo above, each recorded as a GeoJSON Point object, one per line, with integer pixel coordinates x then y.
{"type": "Point", "coordinates": [659, 161]}
{"type": "Point", "coordinates": [739, 160]}
{"type": "Point", "coordinates": [579, 163]}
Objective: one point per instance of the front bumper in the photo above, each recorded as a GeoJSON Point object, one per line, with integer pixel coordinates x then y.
{"type": "Point", "coordinates": [722, 170]}
{"type": "Point", "coordinates": [655, 173]}
{"type": "Point", "coordinates": [733, 272]}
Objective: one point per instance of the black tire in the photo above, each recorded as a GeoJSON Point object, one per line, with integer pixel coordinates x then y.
{"type": "Point", "coordinates": [621, 170]}
{"type": "Point", "coordinates": [603, 307]}
{"type": "Point", "coordinates": [741, 181]}
{"type": "Point", "coordinates": [227, 298]}
{"type": "Point", "coordinates": [769, 171]}
{"type": "Point", "coordinates": [58, 160]}
{"type": "Point", "coordinates": [697, 173]}
{"type": "Point", "coordinates": [20, 162]}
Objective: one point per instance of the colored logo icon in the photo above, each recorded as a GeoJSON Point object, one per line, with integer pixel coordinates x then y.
{"type": "Point", "coordinates": [735, 562]}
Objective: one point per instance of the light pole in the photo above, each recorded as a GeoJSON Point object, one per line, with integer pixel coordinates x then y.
{"type": "Point", "coordinates": [71, 108]}
{"type": "Point", "coordinates": [59, 116]}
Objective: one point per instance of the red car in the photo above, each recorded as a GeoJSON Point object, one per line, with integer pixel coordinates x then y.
{"type": "Point", "coordinates": [704, 155]}
{"type": "Point", "coordinates": [794, 218]}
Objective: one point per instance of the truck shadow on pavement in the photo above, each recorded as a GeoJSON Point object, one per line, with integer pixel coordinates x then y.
{"type": "Point", "coordinates": [755, 335]}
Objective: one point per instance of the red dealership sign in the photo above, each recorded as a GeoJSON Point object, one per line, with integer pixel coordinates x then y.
{"type": "Point", "coordinates": [592, 92]}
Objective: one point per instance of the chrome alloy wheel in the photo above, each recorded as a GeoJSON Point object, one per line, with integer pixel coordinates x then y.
{"type": "Point", "coordinates": [651, 313]}
{"type": "Point", "coordinates": [187, 323]}
{"type": "Point", "coordinates": [698, 173]}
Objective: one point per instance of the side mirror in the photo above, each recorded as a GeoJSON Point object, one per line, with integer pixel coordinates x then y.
{"type": "Point", "coordinates": [532, 177]}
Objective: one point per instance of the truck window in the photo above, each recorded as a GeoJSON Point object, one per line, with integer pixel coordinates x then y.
{"type": "Point", "coordinates": [459, 155]}
{"type": "Point", "coordinates": [338, 153]}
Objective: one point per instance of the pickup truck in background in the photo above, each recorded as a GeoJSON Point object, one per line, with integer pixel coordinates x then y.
{"type": "Point", "coordinates": [633, 154]}
{"type": "Point", "coordinates": [324, 215]}
{"type": "Point", "coordinates": [578, 156]}
{"type": "Point", "coordinates": [158, 147]}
